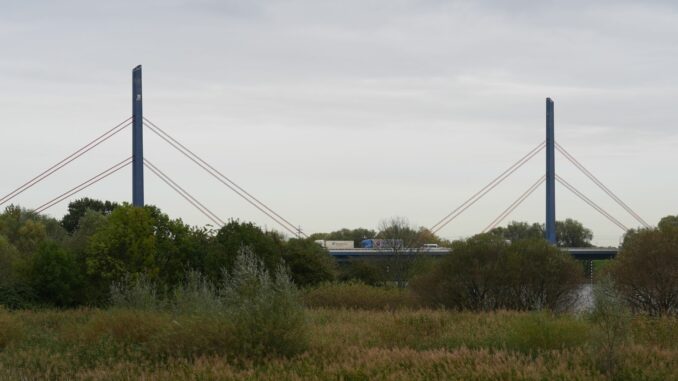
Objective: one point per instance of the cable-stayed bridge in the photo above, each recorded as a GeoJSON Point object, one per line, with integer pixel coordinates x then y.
{"type": "Point", "coordinates": [139, 124]}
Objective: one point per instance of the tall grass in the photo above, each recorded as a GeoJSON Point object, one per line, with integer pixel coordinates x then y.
{"type": "Point", "coordinates": [343, 344]}
{"type": "Point", "coordinates": [359, 295]}
{"type": "Point", "coordinates": [250, 314]}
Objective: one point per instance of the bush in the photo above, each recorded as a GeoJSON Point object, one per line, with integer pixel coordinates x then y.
{"type": "Point", "coordinates": [309, 264]}
{"type": "Point", "coordinates": [265, 308]}
{"type": "Point", "coordinates": [251, 313]}
{"type": "Point", "coordinates": [358, 295]}
{"type": "Point", "coordinates": [362, 271]}
{"type": "Point", "coordinates": [612, 319]}
{"type": "Point", "coordinates": [487, 273]}
{"type": "Point", "coordinates": [645, 270]}
{"type": "Point", "coordinates": [538, 275]}
{"type": "Point", "coordinates": [55, 276]}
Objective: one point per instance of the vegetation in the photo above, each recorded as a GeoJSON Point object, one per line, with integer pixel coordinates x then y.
{"type": "Point", "coordinates": [487, 273]}
{"type": "Point", "coordinates": [126, 344]}
{"type": "Point", "coordinates": [569, 233]}
{"type": "Point", "coordinates": [167, 300]}
{"type": "Point", "coordinates": [645, 271]}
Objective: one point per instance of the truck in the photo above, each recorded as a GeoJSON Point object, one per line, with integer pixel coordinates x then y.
{"type": "Point", "coordinates": [335, 245]}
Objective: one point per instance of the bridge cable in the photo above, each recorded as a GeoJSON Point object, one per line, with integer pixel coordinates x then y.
{"type": "Point", "coordinates": [605, 189]}
{"type": "Point", "coordinates": [515, 204]}
{"type": "Point", "coordinates": [587, 200]}
{"type": "Point", "coordinates": [224, 180]}
{"type": "Point", "coordinates": [49, 171]}
{"type": "Point", "coordinates": [481, 193]}
{"type": "Point", "coordinates": [183, 193]}
{"type": "Point", "coordinates": [83, 185]}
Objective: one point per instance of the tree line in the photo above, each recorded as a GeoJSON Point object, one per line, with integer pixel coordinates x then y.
{"type": "Point", "coordinates": [73, 261]}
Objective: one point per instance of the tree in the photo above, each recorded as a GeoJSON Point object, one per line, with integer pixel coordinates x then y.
{"type": "Point", "coordinates": [55, 276]}
{"type": "Point", "coordinates": [78, 208]}
{"type": "Point", "coordinates": [231, 238]}
{"type": "Point", "coordinates": [403, 242]}
{"type": "Point", "coordinates": [645, 270]}
{"type": "Point", "coordinates": [309, 264]}
{"type": "Point", "coordinates": [485, 272]}
{"type": "Point", "coordinates": [571, 233]}
{"type": "Point", "coordinates": [539, 275]}
{"type": "Point", "coordinates": [471, 278]}
{"type": "Point", "coordinates": [516, 231]}
{"type": "Point", "coordinates": [125, 245]}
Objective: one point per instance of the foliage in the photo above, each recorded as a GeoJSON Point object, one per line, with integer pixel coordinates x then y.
{"type": "Point", "coordinates": [542, 330]}
{"type": "Point", "coordinates": [55, 276]}
{"type": "Point", "coordinates": [358, 295]}
{"type": "Point", "coordinates": [487, 273]}
{"type": "Point", "coordinates": [645, 269]}
{"type": "Point", "coordinates": [612, 319]}
{"type": "Point", "coordinates": [229, 241]}
{"type": "Point", "coordinates": [126, 244]}
{"type": "Point", "coordinates": [362, 271]}
{"type": "Point", "coordinates": [78, 208]}
{"type": "Point", "coordinates": [308, 263]}
{"type": "Point", "coordinates": [538, 275]}
{"type": "Point", "coordinates": [264, 307]}
{"type": "Point", "coordinates": [516, 231]}
{"type": "Point", "coordinates": [260, 311]}
{"type": "Point", "coordinates": [571, 233]}
{"type": "Point", "coordinates": [123, 344]}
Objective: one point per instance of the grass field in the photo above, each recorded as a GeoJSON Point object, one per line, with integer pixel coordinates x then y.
{"type": "Point", "coordinates": [342, 344]}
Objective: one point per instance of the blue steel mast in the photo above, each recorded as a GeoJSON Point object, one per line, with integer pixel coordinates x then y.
{"type": "Point", "coordinates": [137, 140]}
{"type": "Point", "coordinates": [550, 175]}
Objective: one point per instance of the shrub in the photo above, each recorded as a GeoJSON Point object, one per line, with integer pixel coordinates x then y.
{"type": "Point", "coordinates": [251, 313]}
{"type": "Point", "coordinates": [538, 275]}
{"type": "Point", "coordinates": [55, 276]}
{"type": "Point", "coordinates": [487, 273]}
{"type": "Point", "coordinates": [136, 292]}
{"type": "Point", "coordinates": [645, 270]}
{"type": "Point", "coordinates": [309, 264]}
{"type": "Point", "coordinates": [362, 271]}
{"type": "Point", "coordinates": [265, 308]}
{"type": "Point", "coordinates": [358, 295]}
{"type": "Point", "coordinates": [612, 318]}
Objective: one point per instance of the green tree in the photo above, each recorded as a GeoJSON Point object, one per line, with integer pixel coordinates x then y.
{"type": "Point", "coordinates": [309, 264]}
{"type": "Point", "coordinates": [55, 276]}
{"type": "Point", "coordinates": [78, 208]}
{"type": "Point", "coordinates": [539, 275]}
{"type": "Point", "coordinates": [645, 270]}
{"type": "Point", "coordinates": [231, 238]}
{"type": "Point", "coordinates": [485, 272]}
{"type": "Point", "coordinates": [126, 244]}
{"type": "Point", "coordinates": [516, 231]}
{"type": "Point", "coordinates": [668, 222]}
{"type": "Point", "coordinates": [571, 233]}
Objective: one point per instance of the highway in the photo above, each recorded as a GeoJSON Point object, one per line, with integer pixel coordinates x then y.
{"type": "Point", "coordinates": [343, 255]}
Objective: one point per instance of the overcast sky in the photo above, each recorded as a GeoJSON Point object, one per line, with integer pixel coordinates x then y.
{"type": "Point", "coordinates": [343, 113]}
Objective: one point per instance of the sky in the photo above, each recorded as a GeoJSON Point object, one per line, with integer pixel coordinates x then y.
{"type": "Point", "coordinates": [345, 113]}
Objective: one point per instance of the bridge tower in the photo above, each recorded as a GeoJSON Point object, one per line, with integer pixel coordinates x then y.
{"type": "Point", "coordinates": [550, 175]}
{"type": "Point", "coordinates": [137, 140]}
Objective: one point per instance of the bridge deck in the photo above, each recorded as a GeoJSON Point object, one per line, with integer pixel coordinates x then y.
{"type": "Point", "coordinates": [581, 253]}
